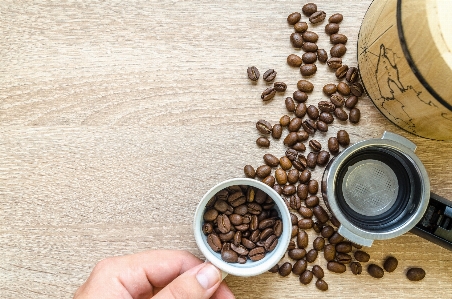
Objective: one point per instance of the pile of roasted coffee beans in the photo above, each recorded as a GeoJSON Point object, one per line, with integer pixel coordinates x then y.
{"type": "Point", "coordinates": [290, 175]}
{"type": "Point", "coordinates": [241, 223]}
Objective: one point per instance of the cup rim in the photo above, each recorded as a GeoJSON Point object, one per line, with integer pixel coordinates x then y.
{"type": "Point", "coordinates": [250, 268]}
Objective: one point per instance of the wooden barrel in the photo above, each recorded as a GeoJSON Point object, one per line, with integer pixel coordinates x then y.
{"type": "Point", "coordinates": [405, 61]}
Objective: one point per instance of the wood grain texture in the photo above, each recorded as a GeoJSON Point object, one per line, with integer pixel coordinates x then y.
{"type": "Point", "coordinates": [116, 117]}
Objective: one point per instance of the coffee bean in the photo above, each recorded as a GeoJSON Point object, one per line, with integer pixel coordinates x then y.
{"type": "Point", "coordinates": [312, 201]}
{"type": "Point", "coordinates": [415, 274]}
{"type": "Point", "coordinates": [375, 271]}
{"type": "Point", "coordinates": [254, 208]}
{"type": "Point", "coordinates": [297, 253]}
{"type": "Point", "coordinates": [274, 269]}
{"type": "Point", "coordinates": [309, 8]}
{"type": "Point", "coordinates": [236, 199]}
{"type": "Point", "coordinates": [207, 228]}
{"type": "Point", "coordinates": [302, 136]}
{"type": "Point", "coordinates": [361, 256]}
{"type": "Point", "coordinates": [299, 267]}
{"type": "Point", "coordinates": [356, 268]}
{"type": "Point", "coordinates": [343, 258]}
{"type": "Point", "coordinates": [222, 206]}
{"type": "Point", "coordinates": [317, 17]}
{"type": "Point", "coordinates": [300, 164]}
{"type": "Point", "coordinates": [295, 202]}
{"type": "Point", "coordinates": [309, 47]}
{"type": "Point", "coordinates": [257, 253]}
{"type": "Point", "coordinates": [263, 171]}
{"type": "Point", "coordinates": [269, 180]}
{"type": "Point", "coordinates": [266, 223]}
{"type": "Point", "coordinates": [291, 154]}
{"type": "Point", "coordinates": [327, 231]}
{"type": "Point", "coordinates": [293, 218]}
{"type": "Point", "coordinates": [285, 163]}
{"type": "Point", "coordinates": [293, 18]}
{"type": "Point", "coordinates": [313, 187]}
{"type": "Point", "coordinates": [278, 228]}
{"type": "Point", "coordinates": [341, 71]}
{"type": "Point", "coordinates": [338, 38]}
{"type": "Point", "coordinates": [329, 252]}
{"type": "Point", "coordinates": [299, 147]}
{"type": "Point", "coordinates": [253, 73]}
{"type": "Point", "coordinates": [329, 89]}
{"type": "Point", "coordinates": [343, 138]}
{"type": "Point", "coordinates": [263, 142]}
{"type": "Point", "coordinates": [334, 220]}
{"type": "Point", "coordinates": [336, 18]}
{"type": "Point", "coordinates": [321, 285]}
{"type": "Point", "coordinates": [271, 243]}
{"type": "Point", "coordinates": [336, 267]}
{"type": "Point", "coordinates": [305, 212]}
{"type": "Point", "coordinates": [269, 75]}
{"type": "Point", "coordinates": [315, 145]}
{"type": "Point", "coordinates": [336, 238]}
{"type": "Point", "coordinates": [322, 55]}
{"type": "Point", "coordinates": [320, 214]}
{"type": "Point", "coordinates": [305, 85]}
{"type": "Point", "coordinates": [338, 50]}
{"type": "Point", "coordinates": [308, 69]}
{"type": "Point", "coordinates": [271, 160]}
{"type": "Point", "coordinates": [352, 74]}
{"type": "Point", "coordinates": [302, 239]}
{"type": "Point", "coordinates": [306, 277]}
{"type": "Point", "coordinates": [305, 223]}
{"type": "Point", "coordinates": [264, 126]}
{"type": "Point", "coordinates": [344, 247]}
{"type": "Point", "coordinates": [356, 89]}
{"type": "Point", "coordinates": [294, 230]}
{"type": "Point", "coordinates": [268, 94]}
{"type": "Point", "coordinates": [302, 191]}
{"type": "Point", "coordinates": [311, 255]}
{"type": "Point", "coordinates": [284, 120]}
{"type": "Point", "coordinates": [311, 160]}
{"type": "Point", "coordinates": [343, 88]}
{"type": "Point", "coordinates": [300, 96]}
{"type": "Point", "coordinates": [305, 176]}
{"type": "Point", "coordinates": [240, 249]}
{"type": "Point", "coordinates": [285, 269]}
{"type": "Point", "coordinates": [326, 106]}
{"type": "Point", "coordinates": [280, 176]}
{"type": "Point", "coordinates": [214, 242]}
{"type": "Point", "coordinates": [333, 145]}
{"type": "Point", "coordinates": [355, 115]}
{"type": "Point", "coordinates": [296, 39]}
{"type": "Point", "coordinates": [294, 60]}
{"type": "Point", "coordinates": [331, 28]}
{"type": "Point", "coordinates": [300, 27]}
{"type": "Point", "coordinates": [280, 86]}
{"type": "Point", "coordinates": [351, 102]}
{"type": "Point", "coordinates": [291, 139]}
{"type": "Point", "coordinates": [334, 62]}
{"type": "Point", "coordinates": [309, 126]}
{"type": "Point", "coordinates": [337, 100]}
{"type": "Point", "coordinates": [309, 57]}
{"type": "Point", "coordinates": [229, 256]}
{"type": "Point", "coordinates": [318, 244]}
{"type": "Point", "coordinates": [318, 271]}
{"type": "Point", "coordinates": [236, 219]}
{"type": "Point", "coordinates": [326, 117]}
{"type": "Point", "coordinates": [340, 114]}
{"type": "Point", "coordinates": [323, 157]}
{"type": "Point", "coordinates": [290, 104]}
{"type": "Point", "coordinates": [310, 36]}
{"type": "Point", "coordinates": [313, 112]}
{"type": "Point", "coordinates": [223, 223]}
{"type": "Point", "coordinates": [277, 131]}
{"type": "Point", "coordinates": [289, 190]}
{"type": "Point", "coordinates": [292, 176]}
{"type": "Point", "coordinates": [253, 238]}
{"type": "Point", "coordinates": [210, 215]}
{"type": "Point", "coordinates": [390, 264]}
{"type": "Point", "coordinates": [300, 110]}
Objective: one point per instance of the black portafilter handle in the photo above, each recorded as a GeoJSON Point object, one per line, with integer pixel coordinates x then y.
{"type": "Point", "coordinates": [436, 224]}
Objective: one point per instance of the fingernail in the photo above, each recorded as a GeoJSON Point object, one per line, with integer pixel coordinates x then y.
{"type": "Point", "coordinates": [208, 276]}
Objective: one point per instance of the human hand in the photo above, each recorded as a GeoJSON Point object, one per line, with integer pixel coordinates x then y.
{"type": "Point", "coordinates": [157, 274]}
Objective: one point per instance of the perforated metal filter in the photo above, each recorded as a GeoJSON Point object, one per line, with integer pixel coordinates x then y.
{"type": "Point", "coordinates": [370, 187]}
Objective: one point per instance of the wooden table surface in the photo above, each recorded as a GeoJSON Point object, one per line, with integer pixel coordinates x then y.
{"type": "Point", "coordinates": [117, 116]}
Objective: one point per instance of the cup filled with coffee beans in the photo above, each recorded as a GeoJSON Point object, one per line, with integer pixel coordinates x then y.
{"type": "Point", "coordinates": [242, 226]}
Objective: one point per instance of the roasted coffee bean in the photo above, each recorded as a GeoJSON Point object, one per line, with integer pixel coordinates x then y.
{"type": "Point", "coordinates": [214, 242]}
{"type": "Point", "coordinates": [278, 228]}
{"type": "Point", "coordinates": [284, 120]}
{"type": "Point", "coordinates": [226, 246]}
{"type": "Point", "coordinates": [285, 269]}
{"type": "Point", "coordinates": [300, 111]}
{"type": "Point", "coordinates": [327, 231]}
{"type": "Point", "coordinates": [253, 73]}
{"type": "Point", "coordinates": [375, 271]}
{"type": "Point", "coordinates": [338, 38]}
{"type": "Point", "coordinates": [240, 249]}
{"type": "Point", "coordinates": [281, 176]}
{"type": "Point", "coordinates": [294, 230]}
{"type": "Point", "coordinates": [222, 206]}
{"type": "Point", "coordinates": [309, 8]}
{"type": "Point", "coordinates": [331, 28]}
{"type": "Point", "coordinates": [309, 126]}
{"type": "Point", "coordinates": [254, 237]}
{"type": "Point", "coordinates": [343, 88]}
{"type": "Point", "coordinates": [237, 240]}
{"type": "Point", "coordinates": [236, 199]}
{"type": "Point", "coordinates": [277, 188]}
{"type": "Point", "coordinates": [340, 114]}
{"type": "Point", "coordinates": [277, 131]}
{"type": "Point", "coordinates": [323, 157]}
{"type": "Point", "coordinates": [302, 239]}
{"type": "Point", "coordinates": [415, 274]}
{"type": "Point", "coordinates": [305, 212]}
{"type": "Point", "coordinates": [300, 96]}
{"type": "Point", "coordinates": [334, 62]}
{"type": "Point", "coordinates": [274, 269]}
{"type": "Point", "coordinates": [322, 55]}
{"type": "Point", "coordinates": [310, 47]}
{"type": "Point", "coordinates": [254, 208]}
{"type": "Point", "coordinates": [271, 160]}
{"type": "Point", "coordinates": [305, 176]}
{"type": "Point", "coordinates": [243, 227]}
{"type": "Point", "coordinates": [285, 163]}
{"type": "Point", "coordinates": [351, 102]}
{"type": "Point", "coordinates": [318, 244]}
{"type": "Point", "coordinates": [299, 147]}
{"type": "Point", "coordinates": [268, 94]}
{"type": "Point", "coordinates": [270, 180]}
{"type": "Point", "coordinates": [356, 89]}
{"type": "Point", "coordinates": [290, 104]}
{"type": "Point", "coordinates": [390, 264]}
{"type": "Point", "coordinates": [343, 138]}
{"type": "Point", "coordinates": [296, 39]}
{"type": "Point", "coordinates": [292, 176]}
{"type": "Point", "coordinates": [305, 85]}
{"type": "Point", "coordinates": [295, 125]}
{"type": "Point", "coordinates": [313, 186]}
{"type": "Point", "coordinates": [236, 219]}
{"type": "Point", "coordinates": [315, 145]}
{"type": "Point", "coordinates": [357, 246]}
{"type": "Point", "coordinates": [269, 75]}
{"type": "Point", "coordinates": [302, 136]}
{"type": "Point", "coordinates": [321, 285]}
{"type": "Point", "coordinates": [311, 255]}
{"type": "Point", "coordinates": [335, 222]}
{"type": "Point", "coordinates": [336, 238]}
{"type": "Point", "coordinates": [356, 268]}
{"type": "Point", "coordinates": [344, 247]}
{"type": "Point", "coordinates": [293, 218]}
{"type": "Point", "coordinates": [291, 154]}
{"type": "Point", "coordinates": [280, 86]}
{"type": "Point", "coordinates": [300, 27]}
{"type": "Point", "coordinates": [310, 36]}
{"type": "Point", "coordinates": [294, 60]}
{"type": "Point", "coordinates": [320, 214]}
{"type": "Point", "coordinates": [257, 253]}
{"type": "Point", "coordinates": [309, 57]}
{"type": "Point", "coordinates": [326, 117]}
{"type": "Point", "coordinates": [329, 252]}
{"type": "Point", "coordinates": [302, 191]}
{"type": "Point", "coordinates": [342, 71]}
{"type": "Point", "coordinates": [308, 69]}
{"type": "Point", "coordinates": [313, 112]}
{"type": "Point", "coordinates": [355, 115]}
{"type": "Point", "coordinates": [271, 243]}
{"type": "Point", "coordinates": [267, 223]}
{"type": "Point", "coordinates": [264, 126]}
{"type": "Point", "coordinates": [293, 18]}
{"type": "Point", "coordinates": [336, 18]}
{"type": "Point", "coordinates": [207, 228]}
{"type": "Point", "coordinates": [299, 267]}
{"type": "Point", "coordinates": [338, 50]}
{"type": "Point", "coordinates": [326, 106]}
{"type": "Point", "coordinates": [250, 194]}
{"type": "Point", "coordinates": [305, 223]}
{"type": "Point", "coordinates": [333, 145]}
{"type": "Point", "coordinates": [343, 258]}
{"type": "Point", "coordinates": [210, 215]}
{"type": "Point", "coordinates": [318, 271]}
{"type": "Point", "coordinates": [336, 267]}
{"type": "Point", "coordinates": [291, 139]}
{"type": "Point", "coordinates": [361, 256]}
{"type": "Point", "coordinates": [297, 253]}
{"type": "Point", "coordinates": [263, 171]}
{"type": "Point", "coordinates": [317, 17]}
{"type": "Point", "coordinates": [229, 256]}
{"type": "Point", "coordinates": [329, 88]}
{"type": "Point", "coordinates": [311, 160]}
{"type": "Point", "coordinates": [312, 201]}
{"type": "Point", "coordinates": [337, 100]}
{"type": "Point", "coordinates": [317, 227]}
{"type": "Point", "coordinates": [300, 164]}
{"type": "Point", "coordinates": [306, 277]}
{"type": "Point", "coordinates": [352, 74]}
{"type": "Point", "coordinates": [248, 243]}
{"type": "Point", "coordinates": [260, 196]}
{"type": "Point", "coordinates": [295, 202]}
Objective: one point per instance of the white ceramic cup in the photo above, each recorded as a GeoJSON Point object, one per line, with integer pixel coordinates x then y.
{"type": "Point", "coordinates": [250, 268]}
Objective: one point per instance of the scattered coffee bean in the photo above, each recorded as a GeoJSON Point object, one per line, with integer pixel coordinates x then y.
{"type": "Point", "coordinates": [309, 126]}
{"type": "Point", "coordinates": [338, 38]}
{"type": "Point", "coordinates": [329, 252]}
{"type": "Point", "coordinates": [336, 18]}
{"type": "Point", "coordinates": [390, 264]}
{"type": "Point", "coordinates": [317, 227]}
{"type": "Point", "coordinates": [309, 47]}
{"type": "Point", "coordinates": [355, 115]}
{"type": "Point", "coordinates": [343, 258]}
{"type": "Point", "coordinates": [284, 120]}
{"type": "Point", "coordinates": [249, 171]}
{"type": "Point", "coordinates": [337, 100]}
{"type": "Point", "coordinates": [253, 73]}
{"type": "Point", "coordinates": [308, 69]}
{"type": "Point", "coordinates": [285, 163]}
{"type": "Point", "coordinates": [311, 255]}
{"type": "Point", "coordinates": [317, 17]}
{"type": "Point", "coordinates": [334, 62]}
{"type": "Point", "coordinates": [322, 55]}
{"type": "Point", "coordinates": [312, 201]}
{"type": "Point", "coordinates": [270, 180]}
{"type": "Point", "coordinates": [318, 271]}
{"type": "Point", "coordinates": [336, 238]}
{"type": "Point", "coordinates": [356, 89]}
{"type": "Point", "coordinates": [300, 27]}
{"type": "Point", "coordinates": [294, 229]}
{"type": "Point", "coordinates": [356, 268]}
{"type": "Point", "coordinates": [361, 256]}
{"type": "Point", "coordinates": [296, 39]}
{"type": "Point", "coordinates": [292, 176]}
{"type": "Point", "coordinates": [299, 267]}
{"type": "Point", "coordinates": [314, 144]}
{"type": "Point", "coordinates": [263, 171]}
{"type": "Point", "coordinates": [305, 85]}
{"type": "Point", "coordinates": [341, 71]}
{"type": "Point", "coordinates": [322, 126]}
{"type": "Point", "coordinates": [336, 267]}
{"type": "Point", "coordinates": [294, 202]}
{"type": "Point", "coordinates": [299, 146]}
{"type": "Point", "coordinates": [280, 86]}
{"type": "Point", "coordinates": [344, 247]}
{"type": "Point", "coordinates": [323, 157]}
{"type": "Point", "coordinates": [289, 190]}
{"type": "Point", "coordinates": [329, 89]}
{"type": "Point", "coordinates": [293, 18]}
{"type": "Point", "coordinates": [291, 154]}
{"type": "Point", "coordinates": [326, 117]}
{"type": "Point", "coordinates": [343, 88]}
{"type": "Point", "coordinates": [300, 110]}
{"type": "Point", "coordinates": [277, 131]}
{"type": "Point", "coordinates": [321, 285]}
{"type": "Point", "coordinates": [305, 176]}
{"type": "Point", "coordinates": [351, 102]}
{"type": "Point", "coordinates": [310, 36]}
{"type": "Point", "coordinates": [306, 277]}
{"type": "Point", "coordinates": [268, 94]}
{"type": "Point", "coordinates": [274, 269]}
{"type": "Point", "coordinates": [375, 271]}
{"type": "Point", "coordinates": [311, 160]}
{"type": "Point", "coordinates": [291, 139]}
{"type": "Point", "coordinates": [320, 214]}
{"type": "Point", "coordinates": [340, 114]}
{"type": "Point", "coordinates": [327, 231]}
{"type": "Point", "coordinates": [295, 125]}
{"type": "Point", "coordinates": [338, 50]}
{"type": "Point", "coordinates": [331, 28]}
{"type": "Point", "coordinates": [309, 8]}
{"type": "Point", "coordinates": [334, 220]}
{"type": "Point", "coordinates": [343, 138]}
{"type": "Point", "coordinates": [318, 244]}
{"type": "Point", "coordinates": [313, 112]}
{"type": "Point", "coordinates": [285, 269]}
{"type": "Point", "coordinates": [302, 136]}
{"type": "Point", "coordinates": [271, 160]}
{"type": "Point", "coordinates": [294, 60]}
{"type": "Point", "coordinates": [313, 187]}
{"type": "Point", "coordinates": [352, 74]}
{"type": "Point", "coordinates": [263, 142]}
{"type": "Point", "coordinates": [305, 223]}
{"type": "Point", "coordinates": [280, 176]}
{"type": "Point", "coordinates": [300, 96]}
{"type": "Point", "coordinates": [269, 75]}
{"type": "Point", "coordinates": [333, 145]}
{"type": "Point", "coordinates": [302, 239]}
{"type": "Point", "coordinates": [415, 274]}
{"type": "Point", "coordinates": [264, 126]}
{"type": "Point", "coordinates": [305, 212]}
{"type": "Point", "coordinates": [309, 57]}
{"type": "Point", "coordinates": [297, 253]}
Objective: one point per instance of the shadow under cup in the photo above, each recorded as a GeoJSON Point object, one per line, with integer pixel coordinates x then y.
{"type": "Point", "coordinates": [250, 268]}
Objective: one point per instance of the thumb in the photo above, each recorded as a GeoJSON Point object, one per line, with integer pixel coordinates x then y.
{"type": "Point", "coordinates": [199, 282]}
